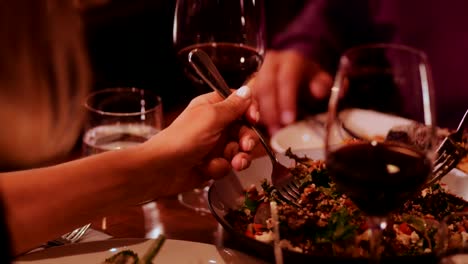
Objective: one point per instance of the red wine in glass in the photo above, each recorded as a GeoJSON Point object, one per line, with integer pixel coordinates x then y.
{"type": "Point", "coordinates": [378, 177]}
{"type": "Point", "coordinates": [236, 62]}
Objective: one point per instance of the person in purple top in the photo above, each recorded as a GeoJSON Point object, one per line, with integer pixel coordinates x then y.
{"type": "Point", "coordinates": [303, 58]}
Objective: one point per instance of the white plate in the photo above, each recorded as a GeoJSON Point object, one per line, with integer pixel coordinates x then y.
{"type": "Point", "coordinates": [302, 135]}
{"type": "Point", "coordinates": [299, 135]}
{"type": "Point", "coordinates": [369, 124]}
{"type": "Point", "coordinates": [173, 251]}
{"type": "Point", "coordinates": [310, 133]}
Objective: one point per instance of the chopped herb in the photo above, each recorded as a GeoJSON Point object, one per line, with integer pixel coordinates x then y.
{"type": "Point", "coordinates": [250, 204]}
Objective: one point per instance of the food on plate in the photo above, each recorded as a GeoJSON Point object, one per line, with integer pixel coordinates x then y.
{"type": "Point", "coordinates": [463, 165]}
{"type": "Point", "coordinates": [327, 223]}
{"type": "Point", "coordinates": [123, 257]}
{"type": "Point", "coordinates": [131, 257]}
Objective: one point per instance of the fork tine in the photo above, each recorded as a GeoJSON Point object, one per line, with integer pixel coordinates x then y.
{"type": "Point", "coordinates": [440, 158]}
{"type": "Point", "coordinates": [446, 166]}
{"type": "Point", "coordinates": [287, 196]}
{"type": "Point", "coordinates": [80, 233]}
{"type": "Point", "coordinates": [292, 189]}
{"type": "Point", "coordinates": [70, 237]}
{"type": "Point", "coordinates": [444, 148]}
{"type": "Point", "coordinates": [296, 184]}
{"type": "Point", "coordinates": [447, 161]}
{"type": "Point", "coordinates": [71, 234]}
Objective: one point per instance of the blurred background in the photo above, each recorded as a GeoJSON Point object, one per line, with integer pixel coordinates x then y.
{"type": "Point", "coordinates": [130, 44]}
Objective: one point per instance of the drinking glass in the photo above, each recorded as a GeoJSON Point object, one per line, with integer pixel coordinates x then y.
{"type": "Point", "coordinates": [392, 85]}
{"type": "Point", "coordinates": [232, 33]}
{"type": "Point", "coordinates": [119, 118]}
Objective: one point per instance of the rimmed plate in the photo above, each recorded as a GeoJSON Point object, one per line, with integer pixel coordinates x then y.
{"type": "Point", "coordinates": [304, 134]}
{"type": "Point", "coordinates": [299, 135]}
{"type": "Point", "coordinates": [370, 124]}
{"type": "Point", "coordinates": [310, 132]}
{"type": "Point", "coordinates": [173, 251]}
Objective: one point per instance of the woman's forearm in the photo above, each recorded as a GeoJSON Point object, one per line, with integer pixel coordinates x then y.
{"type": "Point", "coordinates": [44, 203]}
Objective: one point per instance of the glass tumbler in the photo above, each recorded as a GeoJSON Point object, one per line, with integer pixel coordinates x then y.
{"type": "Point", "coordinates": [119, 118]}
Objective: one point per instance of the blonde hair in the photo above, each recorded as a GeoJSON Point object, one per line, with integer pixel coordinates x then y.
{"type": "Point", "coordinates": [43, 80]}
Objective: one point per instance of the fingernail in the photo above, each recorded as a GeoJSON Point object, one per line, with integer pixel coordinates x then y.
{"type": "Point", "coordinates": [249, 145]}
{"type": "Point", "coordinates": [256, 116]}
{"type": "Point", "coordinates": [243, 163]}
{"type": "Point", "coordinates": [287, 117]}
{"type": "Point", "coordinates": [243, 91]}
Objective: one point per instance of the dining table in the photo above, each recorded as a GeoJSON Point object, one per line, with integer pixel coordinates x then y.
{"type": "Point", "coordinates": [172, 219]}
{"type": "Point", "coordinates": [169, 217]}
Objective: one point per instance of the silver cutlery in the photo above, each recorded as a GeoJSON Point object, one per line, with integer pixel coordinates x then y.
{"type": "Point", "coordinates": [69, 238]}
{"type": "Point", "coordinates": [449, 152]}
{"type": "Point", "coordinates": [281, 176]}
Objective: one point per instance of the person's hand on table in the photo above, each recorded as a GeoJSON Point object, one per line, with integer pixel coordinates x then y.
{"type": "Point", "coordinates": [276, 86]}
{"type": "Point", "coordinates": [206, 141]}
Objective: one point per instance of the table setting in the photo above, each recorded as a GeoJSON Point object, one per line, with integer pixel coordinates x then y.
{"type": "Point", "coordinates": [350, 185]}
{"type": "Point", "coordinates": [240, 202]}
{"type": "Point", "coordinates": [309, 150]}
{"type": "Point", "coordinates": [97, 244]}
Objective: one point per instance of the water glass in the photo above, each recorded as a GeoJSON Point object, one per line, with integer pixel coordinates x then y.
{"type": "Point", "coordinates": [120, 118]}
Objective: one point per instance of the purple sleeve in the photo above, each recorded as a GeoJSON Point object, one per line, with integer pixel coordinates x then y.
{"type": "Point", "coordinates": [305, 31]}
{"type": "Point", "coordinates": [325, 28]}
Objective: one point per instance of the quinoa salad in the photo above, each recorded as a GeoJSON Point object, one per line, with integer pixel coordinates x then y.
{"type": "Point", "coordinates": [327, 223]}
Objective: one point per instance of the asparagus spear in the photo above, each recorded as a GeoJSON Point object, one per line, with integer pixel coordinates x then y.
{"type": "Point", "coordinates": [152, 250]}
{"type": "Point", "coordinates": [130, 257]}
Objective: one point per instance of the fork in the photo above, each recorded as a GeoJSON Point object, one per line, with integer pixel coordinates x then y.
{"type": "Point", "coordinates": [281, 176]}
{"type": "Point", "coordinates": [69, 238]}
{"type": "Point", "coordinates": [449, 153]}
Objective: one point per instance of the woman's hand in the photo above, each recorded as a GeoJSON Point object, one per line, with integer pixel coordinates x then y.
{"type": "Point", "coordinates": [205, 141]}
{"type": "Point", "coordinates": [277, 84]}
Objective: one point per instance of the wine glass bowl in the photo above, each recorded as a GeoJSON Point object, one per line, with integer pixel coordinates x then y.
{"type": "Point", "coordinates": [380, 174]}
{"type": "Point", "coordinates": [236, 62]}
{"type": "Point", "coordinates": [232, 34]}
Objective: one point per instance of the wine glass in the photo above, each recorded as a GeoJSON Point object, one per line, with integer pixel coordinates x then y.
{"type": "Point", "coordinates": [387, 87]}
{"type": "Point", "coordinates": [232, 33]}
{"type": "Point", "coordinates": [119, 118]}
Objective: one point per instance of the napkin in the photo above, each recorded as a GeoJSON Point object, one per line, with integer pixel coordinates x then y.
{"type": "Point", "coordinates": [90, 235]}
{"type": "Point", "coordinates": [94, 235]}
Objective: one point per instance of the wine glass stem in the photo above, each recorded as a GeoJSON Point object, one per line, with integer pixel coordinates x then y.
{"type": "Point", "coordinates": [376, 224]}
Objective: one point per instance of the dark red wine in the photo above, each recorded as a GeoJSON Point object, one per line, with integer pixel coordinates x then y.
{"type": "Point", "coordinates": [236, 63]}
{"type": "Point", "coordinates": [380, 177]}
